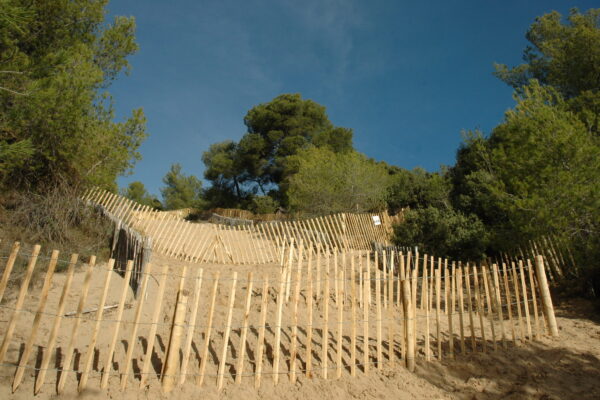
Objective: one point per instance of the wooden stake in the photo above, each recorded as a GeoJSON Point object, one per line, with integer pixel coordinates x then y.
{"type": "Point", "coordinates": [480, 310]}
{"type": "Point", "coordinates": [499, 303]}
{"type": "Point", "coordinates": [451, 309]}
{"type": "Point", "coordinates": [57, 321]}
{"type": "Point", "coordinates": [191, 326]}
{"type": "Point", "coordinates": [353, 307]}
{"type": "Point", "coordinates": [470, 307]}
{"type": "Point", "coordinates": [525, 300]}
{"type": "Point", "coordinates": [280, 301]}
{"type": "Point", "coordinates": [8, 268]}
{"type": "Point", "coordinates": [533, 297]}
{"type": "Point", "coordinates": [211, 313]}
{"type": "Point", "coordinates": [461, 306]}
{"type": "Point", "coordinates": [309, 326]}
{"type": "Point", "coordinates": [390, 313]}
{"type": "Point", "coordinates": [490, 310]}
{"type": "Point", "coordinates": [325, 338]}
{"type": "Point", "coordinates": [518, 299]}
{"type": "Point", "coordinates": [410, 334]}
{"type": "Point", "coordinates": [425, 303]}
{"type": "Point", "coordinates": [77, 321]}
{"type": "Point", "coordinates": [172, 356]}
{"type": "Point", "coordinates": [20, 299]}
{"type": "Point", "coordinates": [154, 325]}
{"type": "Point", "coordinates": [36, 320]}
{"type": "Point", "coordinates": [120, 309]}
{"type": "Point", "coordinates": [366, 295]}
{"type": "Point", "coordinates": [221, 373]}
{"type": "Point", "coordinates": [438, 288]}
{"type": "Point", "coordinates": [294, 341]}
{"type": "Point", "coordinates": [378, 305]}
{"type": "Point", "coordinates": [136, 321]}
{"type": "Point", "coordinates": [340, 322]}
{"type": "Point", "coordinates": [261, 332]}
{"type": "Point", "coordinates": [89, 355]}
{"type": "Point", "coordinates": [508, 302]}
{"type": "Point", "coordinates": [240, 365]}
{"type": "Point", "coordinates": [545, 297]}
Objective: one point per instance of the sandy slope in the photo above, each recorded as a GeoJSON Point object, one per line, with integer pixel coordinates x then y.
{"type": "Point", "coordinates": [563, 368]}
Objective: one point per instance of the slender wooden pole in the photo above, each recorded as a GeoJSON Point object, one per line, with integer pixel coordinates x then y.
{"type": "Point", "coordinates": [36, 320]}
{"type": "Point", "coordinates": [391, 320]}
{"type": "Point", "coordinates": [211, 313]}
{"type": "Point", "coordinates": [325, 338]}
{"type": "Point", "coordinates": [136, 321]}
{"type": "Point", "coordinates": [490, 309]}
{"type": "Point", "coordinates": [525, 299]}
{"type": "Point", "coordinates": [425, 296]}
{"type": "Point", "coordinates": [191, 326]}
{"type": "Point", "coordinates": [508, 302]}
{"type": "Point", "coordinates": [172, 356]}
{"type": "Point", "coordinates": [480, 310]}
{"type": "Point", "coordinates": [19, 304]}
{"type": "Point", "coordinates": [438, 334]}
{"type": "Point", "coordinates": [378, 305]}
{"type": "Point", "coordinates": [221, 372]}
{"type": "Point", "coordinates": [515, 280]}
{"type": "Point", "coordinates": [309, 326]}
{"type": "Point", "coordinates": [55, 327]}
{"type": "Point", "coordinates": [366, 295]}
{"type": "Point", "coordinates": [408, 315]}
{"type": "Point", "coordinates": [294, 339]}
{"type": "Point", "coordinates": [413, 292]}
{"type": "Point", "coordinates": [340, 337]}
{"type": "Point", "coordinates": [154, 325]}
{"type": "Point", "coordinates": [8, 268]}
{"type": "Point", "coordinates": [353, 309]}
{"type": "Point", "coordinates": [470, 306]}
{"type": "Point", "coordinates": [113, 343]}
{"type": "Point", "coordinates": [261, 332]}
{"type": "Point", "coordinates": [77, 321]}
{"type": "Point", "coordinates": [461, 307]}
{"type": "Point", "coordinates": [451, 309]}
{"type": "Point", "coordinates": [239, 370]}
{"type": "Point", "coordinates": [499, 303]}
{"type": "Point", "coordinates": [277, 348]}
{"type": "Point", "coordinates": [89, 355]}
{"type": "Point", "coordinates": [545, 297]}
{"type": "Point", "coordinates": [534, 298]}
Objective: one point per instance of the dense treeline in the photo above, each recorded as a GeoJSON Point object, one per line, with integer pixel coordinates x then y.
{"type": "Point", "coordinates": [537, 173]}
{"type": "Point", "coordinates": [58, 132]}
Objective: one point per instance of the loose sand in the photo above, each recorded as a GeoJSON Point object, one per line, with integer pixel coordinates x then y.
{"type": "Point", "coordinates": [564, 368]}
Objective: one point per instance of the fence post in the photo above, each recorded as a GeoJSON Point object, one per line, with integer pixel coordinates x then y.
{"type": "Point", "coordinates": [408, 324]}
{"type": "Point", "coordinates": [545, 296]}
{"type": "Point", "coordinates": [172, 359]}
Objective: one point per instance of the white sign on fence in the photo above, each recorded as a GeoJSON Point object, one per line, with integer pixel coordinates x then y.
{"type": "Point", "coordinates": [376, 220]}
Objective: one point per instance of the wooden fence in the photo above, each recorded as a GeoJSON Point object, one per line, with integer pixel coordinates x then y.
{"type": "Point", "coordinates": [127, 244]}
{"type": "Point", "coordinates": [321, 313]}
{"type": "Point", "coordinates": [243, 243]}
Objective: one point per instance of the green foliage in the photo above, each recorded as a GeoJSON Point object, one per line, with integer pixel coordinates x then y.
{"type": "Point", "coordinates": [443, 232]}
{"type": "Point", "coordinates": [264, 205]}
{"type": "Point", "coordinates": [417, 189]}
{"type": "Point", "coordinates": [136, 191]}
{"type": "Point", "coordinates": [565, 56]}
{"type": "Point", "coordinates": [56, 59]}
{"type": "Point", "coordinates": [326, 182]}
{"type": "Point", "coordinates": [275, 131]}
{"type": "Point", "coordinates": [536, 174]}
{"type": "Point", "coordinates": [181, 191]}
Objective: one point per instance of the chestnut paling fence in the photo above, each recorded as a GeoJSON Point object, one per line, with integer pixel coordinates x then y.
{"type": "Point", "coordinates": [320, 313]}
{"type": "Point", "coordinates": [231, 241]}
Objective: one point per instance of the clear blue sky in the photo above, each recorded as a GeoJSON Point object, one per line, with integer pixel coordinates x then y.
{"type": "Point", "coordinates": [406, 76]}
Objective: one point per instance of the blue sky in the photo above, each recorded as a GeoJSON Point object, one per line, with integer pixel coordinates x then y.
{"type": "Point", "coordinates": [406, 76]}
